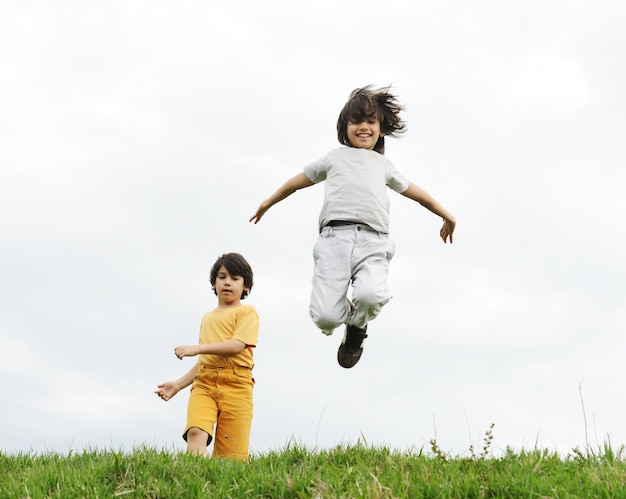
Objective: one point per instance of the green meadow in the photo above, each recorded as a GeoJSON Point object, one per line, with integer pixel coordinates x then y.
{"type": "Point", "coordinates": [347, 471]}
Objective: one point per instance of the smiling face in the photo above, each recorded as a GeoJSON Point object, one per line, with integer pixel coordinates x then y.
{"type": "Point", "coordinates": [365, 134]}
{"type": "Point", "coordinates": [228, 288]}
{"type": "Point", "coordinates": [374, 108]}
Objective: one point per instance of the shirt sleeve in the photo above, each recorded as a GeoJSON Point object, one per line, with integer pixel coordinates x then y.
{"type": "Point", "coordinates": [395, 180]}
{"type": "Point", "coordinates": [316, 171]}
{"type": "Point", "coordinates": [247, 326]}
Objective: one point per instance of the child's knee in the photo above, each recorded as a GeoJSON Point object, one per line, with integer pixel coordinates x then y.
{"type": "Point", "coordinates": [197, 436]}
{"type": "Point", "coordinates": [325, 321]}
{"type": "Point", "coordinates": [366, 298]}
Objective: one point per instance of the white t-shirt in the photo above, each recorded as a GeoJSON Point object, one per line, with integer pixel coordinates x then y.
{"type": "Point", "coordinates": [356, 186]}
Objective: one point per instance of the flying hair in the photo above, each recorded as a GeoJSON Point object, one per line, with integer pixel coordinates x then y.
{"type": "Point", "coordinates": [369, 102]}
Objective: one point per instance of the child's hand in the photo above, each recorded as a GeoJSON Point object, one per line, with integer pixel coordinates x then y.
{"type": "Point", "coordinates": [167, 390]}
{"type": "Point", "coordinates": [263, 207]}
{"type": "Point", "coordinates": [447, 229]}
{"type": "Point", "coordinates": [186, 351]}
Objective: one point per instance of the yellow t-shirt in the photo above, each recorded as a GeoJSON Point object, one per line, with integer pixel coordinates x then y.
{"type": "Point", "coordinates": [239, 323]}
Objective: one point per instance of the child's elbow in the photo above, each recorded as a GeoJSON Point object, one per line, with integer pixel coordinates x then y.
{"type": "Point", "coordinates": [236, 347]}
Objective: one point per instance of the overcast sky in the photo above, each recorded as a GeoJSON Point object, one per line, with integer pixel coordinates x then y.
{"type": "Point", "coordinates": [138, 137]}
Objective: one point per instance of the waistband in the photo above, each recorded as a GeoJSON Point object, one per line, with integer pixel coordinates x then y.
{"type": "Point", "coordinates": [205, 367]}
{"type": "Point", "coordinates": [346, 224]}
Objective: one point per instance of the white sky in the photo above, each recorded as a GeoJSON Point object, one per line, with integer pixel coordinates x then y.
{"type": "Point", "coordinates": [138, 137]}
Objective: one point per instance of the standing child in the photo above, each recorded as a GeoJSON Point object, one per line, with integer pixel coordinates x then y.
{"type": "Point", "coordinates": [221, 393]}
{"type": "Point", "coordinates": [354, 247]}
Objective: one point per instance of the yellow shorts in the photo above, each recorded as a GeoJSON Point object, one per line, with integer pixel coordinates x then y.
{"type": "Point", "coordinates": [222, 398]}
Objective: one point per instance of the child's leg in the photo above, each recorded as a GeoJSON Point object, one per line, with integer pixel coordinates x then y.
{"type": "Point", "coordinates": [232, 432]}
{"type": "Point", "coordinates": [197, 441]}
{"type": "Point", "coordinates": [370, 292]}
{"type": "Point", "coordinates": [201, 412]}
{"type": "Point", "coordinates": [331, 278]}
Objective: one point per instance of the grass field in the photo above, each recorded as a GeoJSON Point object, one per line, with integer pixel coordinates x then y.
{"type": "Point", "coordinates": [357, 471]}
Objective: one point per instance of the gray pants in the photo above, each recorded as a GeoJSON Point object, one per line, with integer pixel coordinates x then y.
{"type": "Point", "coordinates": [349, 255]}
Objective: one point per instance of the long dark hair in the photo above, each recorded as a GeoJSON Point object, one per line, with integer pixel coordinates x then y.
{"type": "Point", "coordinates": [368, 102]}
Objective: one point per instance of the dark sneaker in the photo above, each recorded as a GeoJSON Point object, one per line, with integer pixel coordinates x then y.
{"type": "Point", "coordinates": [351, 347]}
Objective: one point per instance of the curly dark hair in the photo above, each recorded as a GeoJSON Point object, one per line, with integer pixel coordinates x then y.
{"type": "Point", "coordinates": [236, 265]}
{"type": "Point", "coordinates": [368, 102]}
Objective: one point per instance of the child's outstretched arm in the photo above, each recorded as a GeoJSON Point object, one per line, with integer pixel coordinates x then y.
{"type": "Point", "coordinates": [300, 181]}
{"type": "Point", "coordinates": [427, 201]}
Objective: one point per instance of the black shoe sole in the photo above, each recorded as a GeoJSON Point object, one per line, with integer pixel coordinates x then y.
{"type": "Point", "coordinates": [348, 357]}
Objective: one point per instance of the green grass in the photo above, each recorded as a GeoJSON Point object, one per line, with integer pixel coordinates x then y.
{"type": "Point", "coordinates": [357, 471]}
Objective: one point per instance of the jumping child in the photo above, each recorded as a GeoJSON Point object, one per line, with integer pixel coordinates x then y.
{"type": "Point", "coordinates": [353, 247]}
{"type": "Point", "coordinates": [221, 393]}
